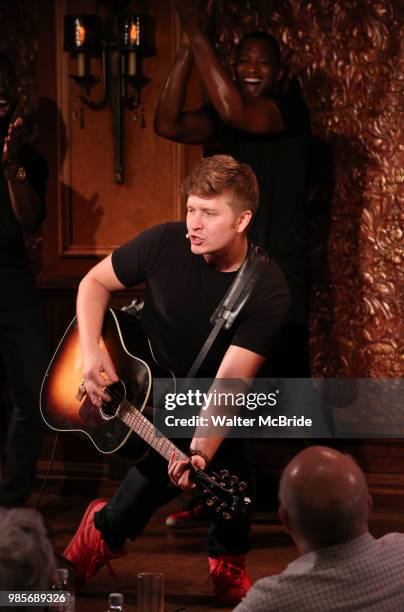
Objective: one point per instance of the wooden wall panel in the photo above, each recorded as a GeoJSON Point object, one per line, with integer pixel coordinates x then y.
{"type": "Point", "coordinates": [91, 213]}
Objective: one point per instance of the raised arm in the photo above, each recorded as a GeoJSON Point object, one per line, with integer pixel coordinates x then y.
{"type": "Point", "coordinates": [92, 301]}
{"type": "Point", "coordinates": [171, 120]}
{"type": "Point", "coordinates": [258, 115]}
{"type": "Point", "coordinates": [27, 205]}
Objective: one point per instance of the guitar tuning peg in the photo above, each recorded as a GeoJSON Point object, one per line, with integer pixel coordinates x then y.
{"type": "Point", "coordinates": [224, 473]}
{"type": "Point", "coordinates": [242, 486]}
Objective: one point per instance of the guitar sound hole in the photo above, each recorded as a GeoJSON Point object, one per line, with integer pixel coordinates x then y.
{"type": "Point", "coordinates": [117, 393]}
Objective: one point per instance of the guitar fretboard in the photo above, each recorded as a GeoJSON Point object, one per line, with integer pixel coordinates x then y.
{"type": "Point", "coordinates": [148, 432]}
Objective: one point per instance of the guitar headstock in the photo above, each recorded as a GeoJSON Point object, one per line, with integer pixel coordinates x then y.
{"type": "Point", "coordinates": [225, 493]}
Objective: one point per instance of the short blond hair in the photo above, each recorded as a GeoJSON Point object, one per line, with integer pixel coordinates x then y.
{"type": "Point", "coordinates": [221, 174]}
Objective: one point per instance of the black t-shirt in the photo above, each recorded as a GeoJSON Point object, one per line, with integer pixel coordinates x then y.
{"type": "Point", "coordinates": [15, 272]}
{"type": "Point", "coordinates": [280, 163]}
{"type": "Point", "coordinates": [182, 292]}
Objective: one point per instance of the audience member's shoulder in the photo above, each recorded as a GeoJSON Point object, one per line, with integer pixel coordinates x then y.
{"type": "Point", "coordinates": [263, 585]}
{"type": "Point", "coordinates": [257, 598]}
{"type": "Point", "coordinates": [392, 540]}
{"type": "Point", "coordinates": [266, 594]}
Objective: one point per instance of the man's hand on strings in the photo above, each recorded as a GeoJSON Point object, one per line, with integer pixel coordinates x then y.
{"type": "Point", "coordinates": [99, 372]}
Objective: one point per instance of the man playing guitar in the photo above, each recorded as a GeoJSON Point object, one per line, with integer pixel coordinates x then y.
{"type": "Point", "coordinates": [187, 270]}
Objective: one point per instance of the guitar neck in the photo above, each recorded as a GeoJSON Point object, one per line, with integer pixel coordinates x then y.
{"type": "Point", "coordinates": [148, 432]}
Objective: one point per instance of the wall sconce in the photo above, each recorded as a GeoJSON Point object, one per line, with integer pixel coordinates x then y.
{"type": "Point", "coordinates": [121, 42]}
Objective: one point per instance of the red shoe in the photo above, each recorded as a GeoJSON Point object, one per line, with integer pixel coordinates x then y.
{"type": "Point", "coordinates": [87, 549]}
{"type": "Point", "coordinates": [230, 579]}
{"type": "Point", "coordinates": [194, 517]}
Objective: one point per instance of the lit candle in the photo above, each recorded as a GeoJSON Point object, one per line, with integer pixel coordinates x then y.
{"type": "Point", "coordinates": [81, 67]}
{"type": "Point", "coordinates": [131, 63]}
{"type": "Point", "coordinates": [115, 64]}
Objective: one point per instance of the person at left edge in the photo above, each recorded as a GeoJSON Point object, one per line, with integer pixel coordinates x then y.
{"type": "Point", "coordinates": [187, 269]}
{"type": "Point", "coordinates": [23, 338]}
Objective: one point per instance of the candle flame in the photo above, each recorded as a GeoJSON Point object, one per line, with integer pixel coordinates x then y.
{"type": "Point", "coordinates": [80, 34]}
{"type": "Point", "coordinates": [133, 34]}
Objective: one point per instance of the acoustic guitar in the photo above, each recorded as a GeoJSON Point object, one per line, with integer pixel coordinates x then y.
{"type": "Point", "coordinates": [66, 407]}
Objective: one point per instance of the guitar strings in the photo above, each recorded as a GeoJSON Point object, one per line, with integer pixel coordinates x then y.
{"type": "Point", "coordinates": [148, 432]}
{"type": "Point", "coordinates": [147, 429]}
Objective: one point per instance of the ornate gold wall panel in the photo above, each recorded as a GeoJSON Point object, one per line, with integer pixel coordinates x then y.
{"type": "Point", "coordinates": [346, 55]}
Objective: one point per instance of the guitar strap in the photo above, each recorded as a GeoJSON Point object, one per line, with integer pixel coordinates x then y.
{"type": "Point", "coordinates": [234, 301]}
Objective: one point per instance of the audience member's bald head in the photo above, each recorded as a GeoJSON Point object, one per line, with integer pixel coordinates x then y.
{"type": "Point", "coordinates": [324, 498]}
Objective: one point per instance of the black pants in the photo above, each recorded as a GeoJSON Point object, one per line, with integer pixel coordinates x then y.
{"type": "Point", "coordinates": [24, 356]}
{"type": "Point", "coordinates": [147, 487]}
